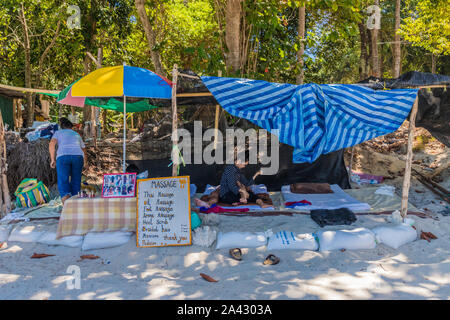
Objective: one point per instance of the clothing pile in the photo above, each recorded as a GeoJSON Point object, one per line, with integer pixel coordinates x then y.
{"type": "Point", "coordinates": [333, 217]}
{"type": "Point", "coordinates": [45, 130]}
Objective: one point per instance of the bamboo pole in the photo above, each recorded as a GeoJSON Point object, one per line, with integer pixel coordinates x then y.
{"type": "Point", "coordinates": [195, 94]}
{"type": "Point", "coordinates": [409, 157]}
{"type": "Point", "coordinates": [187, 75]}
{"type": "Point", "coordinates": [216, 120]}
{"type": "Point", "coordinates": [175, 159]}
{"type": "Point", "coordinates": [21, 89]}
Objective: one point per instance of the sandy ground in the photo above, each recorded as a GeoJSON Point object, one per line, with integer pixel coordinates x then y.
{"type": "Point", "coordinates": [418, 270]}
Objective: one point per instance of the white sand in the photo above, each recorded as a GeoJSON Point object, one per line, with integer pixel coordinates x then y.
{"type": "Point", "coordinates": [418, 270]}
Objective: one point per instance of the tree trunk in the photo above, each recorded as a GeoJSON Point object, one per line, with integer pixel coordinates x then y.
{"type": "Point", "coordinates": [26, 46]}
{"type": "Point", "coordinates": [301, 49]}
{"type": "Point", "coordinates": [396, 70]}
{"type": "Point", "coordinates": [150, 35]}
{"type": "Point", "coordinates": [87, 110]}
{"type": "Point", "coordinates": [364, 56]}
{"type": "Point", "coordinates": [433, 63]}
{"type": "Point", "coordinates": [232, 32]}
{"type": "Point", "coordinates": [376, 71]}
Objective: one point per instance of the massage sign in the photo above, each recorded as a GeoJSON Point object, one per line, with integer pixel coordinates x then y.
{"type": "Point", "coordinates": [163, 212]}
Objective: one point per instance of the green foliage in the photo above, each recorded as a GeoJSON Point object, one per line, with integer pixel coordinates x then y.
{"type": "Point", "coordinates": [190, 33]}
{"type": "Point", "coordinates": [428, 26]}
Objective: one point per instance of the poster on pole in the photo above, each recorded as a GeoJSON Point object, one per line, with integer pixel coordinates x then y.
{"type": "Point", "coordinates": [163, 216]}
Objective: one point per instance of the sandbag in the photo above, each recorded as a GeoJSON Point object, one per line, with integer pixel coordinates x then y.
{"type": "Point", "coordinates": [395, 236]}
{"type": "Point", "coordinates": [100, 240]}
{"type": "Point", "coordinates": [356, 239]}
{"type": "Point", "coordinates": [4, 232]}
{"type": "Point", "coordinates": [289, 240]}
{"type": "Point", "coordinates": [49, 238]}
{"type": "Point", "coordinates": [236, 239]}
{"type": "Point", "coordinates": [29, 233]}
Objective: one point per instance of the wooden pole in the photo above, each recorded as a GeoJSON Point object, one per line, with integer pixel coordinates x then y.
{"type": "Point", "coordinates": [409, 156]}
{"type": "Point", "coordinates": [5, 207]}
{"type": "Point", "coordinates": [350, 166]}
{"type": "Point", "coordinates": [216, 120]}
{"type": "Point", "coordinates": [15, 114]}
{"type": "Point", "coordinates": [175, 158]}
{"type": "Point", "coordinates": [124, 133]}
{"type": "Point", "coordinates": [351, 161]}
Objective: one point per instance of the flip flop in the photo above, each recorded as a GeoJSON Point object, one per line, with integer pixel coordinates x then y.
{"type": "Point", "coordinates": [236, 254]}
{"type": "Point", "coordinates": [271, 260]}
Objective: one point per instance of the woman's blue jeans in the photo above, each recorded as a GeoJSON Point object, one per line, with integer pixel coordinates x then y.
{"type": "Point", "coordinates": [69, 170]}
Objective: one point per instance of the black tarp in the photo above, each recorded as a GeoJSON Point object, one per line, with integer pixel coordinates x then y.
{"type": "Point", "coordinates": [188, 85]}
{"type": "Point", "coordinates": [411, 79]}
{"type": "Point", "coordinates": [433, 111]}
{"type": "Point", "coordinates": [329, 168]}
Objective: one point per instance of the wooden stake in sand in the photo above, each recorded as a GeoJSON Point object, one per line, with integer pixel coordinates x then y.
{"type": "Point", "coordinates": [5, 199]}
{"type": "Point", "coordinates": [175, 158]}
{"type": "Point", "coordinates": [409, 156]}
{"type": "Point", "coordinates": [216, 120]}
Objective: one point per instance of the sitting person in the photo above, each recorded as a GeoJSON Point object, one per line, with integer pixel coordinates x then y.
{"type": "Point", "coordinates": [234, 187]}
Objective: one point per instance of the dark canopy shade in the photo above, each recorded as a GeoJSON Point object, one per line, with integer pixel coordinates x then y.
{"type": "Point", "coordinates": [434, 103]}
{"type": "Point", "coordinates": [328, 168]}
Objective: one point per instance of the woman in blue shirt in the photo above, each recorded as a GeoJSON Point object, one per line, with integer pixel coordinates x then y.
{"type": "Point", "coordinates": [68, 159]}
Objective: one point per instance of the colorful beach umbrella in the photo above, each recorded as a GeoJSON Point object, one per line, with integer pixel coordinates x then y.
{"type": "Point", "coordinates": [120, 88]}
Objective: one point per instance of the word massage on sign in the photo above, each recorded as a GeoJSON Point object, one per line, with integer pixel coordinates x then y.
{"type": "Point", "coordinates": [163, 212]}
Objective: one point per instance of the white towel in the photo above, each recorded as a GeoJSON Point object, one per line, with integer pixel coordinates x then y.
{"type": "Point", "coordinates": [336, 200]}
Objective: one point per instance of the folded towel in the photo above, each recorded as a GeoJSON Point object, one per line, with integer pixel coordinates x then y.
{"type": "Point", "coordinates": [337, 199]}
{"type": "Point", "coordinates": [216, 209]}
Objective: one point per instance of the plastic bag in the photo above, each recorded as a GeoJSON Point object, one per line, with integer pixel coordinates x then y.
{"type": "Point", "coordinates": [4, 232]}
{"type": "Point", "coordinates": [204, 236]}
{"type": "Point", "coordinates": [396, 235]}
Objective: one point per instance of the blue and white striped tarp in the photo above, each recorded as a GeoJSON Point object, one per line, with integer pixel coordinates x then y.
{"type": "Point", "coordinates": [314, 119]}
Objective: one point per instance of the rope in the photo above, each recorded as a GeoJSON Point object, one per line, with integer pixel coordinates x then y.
{"type": "Point", "coordinates": [175, 147]}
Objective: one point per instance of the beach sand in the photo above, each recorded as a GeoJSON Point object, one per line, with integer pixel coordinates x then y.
{"type": "Point", "coordinates": [417, 270]}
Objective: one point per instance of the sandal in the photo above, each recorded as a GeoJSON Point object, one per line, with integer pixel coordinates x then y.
{"type": "Point", "coordinates": [271, 260]}
{"type": "Point", "coordinates": [236, 254]}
